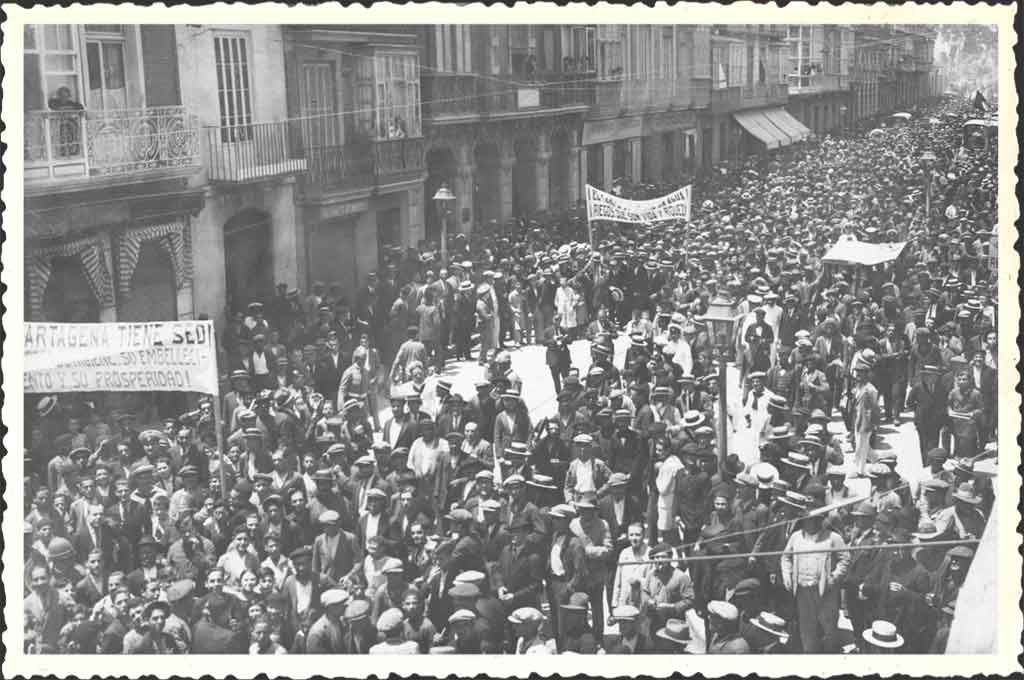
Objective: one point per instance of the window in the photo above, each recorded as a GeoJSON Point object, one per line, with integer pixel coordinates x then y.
{"type": "Point", "coordinates": [397, 106]}
{"type": "Point", "coordinates": [583, 46]}
{"type": "Point", "coordinates": [448, 48]}
{"type": "Point", "coordinates": [51, 80]}
{"type": "Point", "coordinates": [231, 60]}
{"type": "Point", "coordinates": [668, 44]}
{"type": "Point", "coordinates": [51, 65]}
{"type": "Point", "coordinates": [720, 65]}
{"type": "Point", "coordinates": [609, 41]}
{"type": "Point", "coordinates": [105, 71]}
{"type": "Point", "coordinates": [750, 65]}
{"type": "Point", "coordinates": [736, 64]}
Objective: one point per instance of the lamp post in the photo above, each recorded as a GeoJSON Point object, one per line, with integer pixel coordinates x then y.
{"type": "Point", "coordinates": [442, 199]}
{"type": "Point", "coordinates": [724, 317]}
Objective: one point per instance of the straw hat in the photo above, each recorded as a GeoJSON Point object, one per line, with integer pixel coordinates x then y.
{"type": "Point", "coordinates": [883, 634]}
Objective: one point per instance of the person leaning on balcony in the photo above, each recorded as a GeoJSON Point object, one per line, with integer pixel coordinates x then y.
{"type": "Point", "coordinates": [68, 130]}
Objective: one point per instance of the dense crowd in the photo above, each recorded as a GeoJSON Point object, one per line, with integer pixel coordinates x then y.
{"type": "Point", "coordinates": [464, 523]}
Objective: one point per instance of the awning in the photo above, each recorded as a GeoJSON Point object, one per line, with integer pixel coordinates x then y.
{"type": "Point", "coordinates": [796, 130]}
{"type": "Point", "coordinates": [784, 133]}
{"type": "Point", "coordinates": [756, 124]}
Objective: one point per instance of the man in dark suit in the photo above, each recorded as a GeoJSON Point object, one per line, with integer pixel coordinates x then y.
{"type": "Point", "coordinates": [376, 523]}
{"type": "Point", "coordinates": [520, 571]}
{"type": "Point", "coordinates": [92, 587]}
{"type": "Point", "coordinates": [302, 589]}
{"type": "Point", "coordinates": [329, 368]}
{"type": "Point", "coordinates": [985, 379]}
{"type": "Point", "coordinates": [335, 552]}
{"type": "Point", "coordinates": [93, 536]}
{"type": "Point", "coordinates": [928, 401]}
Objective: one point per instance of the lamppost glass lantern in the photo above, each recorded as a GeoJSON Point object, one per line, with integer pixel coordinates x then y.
{"type": "Point", "coordinates": [442, 200]}
{"type": "Point", "coordinates": [723, 316]}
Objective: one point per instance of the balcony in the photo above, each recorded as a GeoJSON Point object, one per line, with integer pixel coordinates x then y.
{"type": "Point", "coordinates": [91, 146]}
{"type": "Point", "coordinates": [314, 148]}
{"type": "Point", "coordinates": [818, 83]}
{"type": "Point", "coordinates": [363, 164]}
{"type": "Point", "coordinates": [460, 97]}
{"type": "Point", "coordinates": [254, 151]}
{"type": "Point", "coordinates": [622, 96]}
{"type": "Point", "coordinates": [729, 99]}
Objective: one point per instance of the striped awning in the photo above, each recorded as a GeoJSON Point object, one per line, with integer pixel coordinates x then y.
{"type": "Point", "coordinates": [172, 237]}
{"type": "Point", "coordinates": [94, 255]}
{"type": "Point", "coordinates": [760, 127]}
{"type": "Point", "coordinates": [774, 127]}
{"type": "Point", "coordinates": [796, 130]}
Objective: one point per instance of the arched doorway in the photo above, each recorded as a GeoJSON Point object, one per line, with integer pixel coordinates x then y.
{"type": "Point", "coordinates": [487, 190]}
{"type": "Point", "coordinates": [440, 169]}
{"type": "Point", "coordinates": [558, 172]}
{"type": "Point", "coordinates": [154, 296]}
{"type": "Point", "coordinates": [524, 178]}
{"type": "Point", "coordinates": [69, 297]}
{"type": "Point", "coordinates": [248, 259]}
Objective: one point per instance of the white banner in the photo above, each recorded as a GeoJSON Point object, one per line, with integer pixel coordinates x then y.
{"type": "Point", "coordinates": [605, 206]}
{"type": "Point", "coordinates": [165, 356]}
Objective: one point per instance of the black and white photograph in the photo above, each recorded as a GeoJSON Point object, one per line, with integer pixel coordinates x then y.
{"type": "Point", "coordinates": [550, 338]}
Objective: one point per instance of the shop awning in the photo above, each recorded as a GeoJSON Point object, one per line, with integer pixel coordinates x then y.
{"type": "Point", "coordinates": [783, 119]}
{"type": "Point", "coordinates": [758, 125]}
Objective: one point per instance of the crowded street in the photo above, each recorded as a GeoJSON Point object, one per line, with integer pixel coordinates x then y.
{"type": "Point", "coordinates": [763, 421]}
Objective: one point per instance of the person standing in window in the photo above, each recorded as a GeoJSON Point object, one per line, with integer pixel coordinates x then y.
{"type": "Point", "coordinates": [68, 125]}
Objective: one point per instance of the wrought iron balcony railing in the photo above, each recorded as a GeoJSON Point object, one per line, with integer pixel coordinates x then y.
{"type": "Point", "coordinates": [68, 145]}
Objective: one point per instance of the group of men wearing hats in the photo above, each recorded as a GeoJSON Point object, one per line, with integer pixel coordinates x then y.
{"type": "Point", "coordinates": [468, 525]}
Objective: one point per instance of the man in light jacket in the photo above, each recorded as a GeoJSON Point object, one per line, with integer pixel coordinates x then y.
{"type": "Point", "coordinates": [815, 580]}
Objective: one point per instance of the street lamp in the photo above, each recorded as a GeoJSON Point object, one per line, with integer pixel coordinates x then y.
{"type": "Point", "coordinates": [442, 199]}
{"type": "Point", "coordinates": [724, 317]}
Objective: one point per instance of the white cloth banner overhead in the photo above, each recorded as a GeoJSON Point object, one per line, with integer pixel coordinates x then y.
{"type": "Point", "coordinates": [163, 356]}
{"type": "Point", "coordinates": [605, 206]}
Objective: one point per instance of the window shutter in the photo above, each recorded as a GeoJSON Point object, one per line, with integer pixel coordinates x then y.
{"type": "Point", "coordinates": [701, 52]}
{"type": "Point", "coordinates": [160, 65]}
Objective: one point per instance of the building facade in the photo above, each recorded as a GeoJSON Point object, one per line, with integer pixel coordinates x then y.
{"type": "Point", "coordinates": [503, 108]}
{"type": "Point", "coordinates": [649, 83]}
{"type": "Point", "coordinates": [891, 68]}
{"type": "Point", "coordinates": [113, 175]}
{"type": "Point", "coordinates": [746, 113]}
{"type": "Point", "coordinates": [818, 75]}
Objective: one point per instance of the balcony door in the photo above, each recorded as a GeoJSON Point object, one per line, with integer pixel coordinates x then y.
{"type": "Point", "coordinates": [244, 147]}
{"type": "Point", "coordinates": [321, 126]}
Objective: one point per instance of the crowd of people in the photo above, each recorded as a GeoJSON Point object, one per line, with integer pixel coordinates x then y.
{"type": "Point", "coordinates": [465, 524]}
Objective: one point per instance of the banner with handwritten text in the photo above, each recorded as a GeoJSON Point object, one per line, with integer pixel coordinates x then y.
{"type": "Point", "coordinates": [605, 206]}
{"type": "Point", "coordinates": [165, 356]}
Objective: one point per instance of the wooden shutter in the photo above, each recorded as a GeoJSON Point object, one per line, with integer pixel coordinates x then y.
{"type": "Point", "coordinates": [160, 65]}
